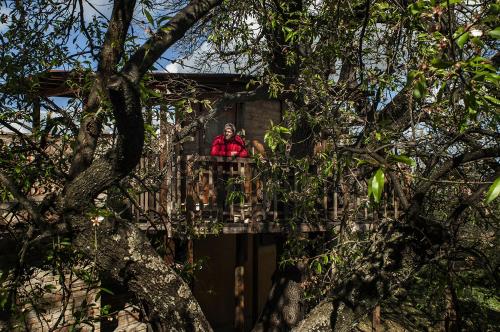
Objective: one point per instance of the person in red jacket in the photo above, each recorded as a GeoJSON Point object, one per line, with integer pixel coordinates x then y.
{"type": "Point", "coordinates": [229, 144]}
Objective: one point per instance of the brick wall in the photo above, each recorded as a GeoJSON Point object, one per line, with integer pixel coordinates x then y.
{"type": "Point", "coordinates": [50, 301]}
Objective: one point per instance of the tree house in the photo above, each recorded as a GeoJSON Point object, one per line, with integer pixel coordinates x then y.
{"type": "Point", "coordinates": [220, 195]}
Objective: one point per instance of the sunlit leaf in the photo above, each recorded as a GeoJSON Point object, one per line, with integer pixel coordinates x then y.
{"type": "Point", "coordinates": [495, 33]}
{"type": "Point", "coordinates": [403, 159]}
{"type": "Point", "coordinates": [463, 39]}
{"type": "Point", "coordinates": [149, 17]}
{"type": "Point", "coordinates": [494, 191]}
{"type": "Point", "coordinates": [376, 185]}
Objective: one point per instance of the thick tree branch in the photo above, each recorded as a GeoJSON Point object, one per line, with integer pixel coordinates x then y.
{"type": "Point", "coordinates": [128, 258]}
{"type": "Point", "coordinates": [472, 199]}
{"type": "Point", "coordinates": [111, 52]}
{"type": "Point", "coordinates": [28, 205]}
{"type": "Point", "coordinates": [114, 40]}
{"type": "Point", "coordinates": [118, 162]}
{"type": "Point", "coordinates": [445, 168]}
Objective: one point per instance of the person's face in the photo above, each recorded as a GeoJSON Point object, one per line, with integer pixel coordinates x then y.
{"type": "Point", "coordinates": [228, 133]}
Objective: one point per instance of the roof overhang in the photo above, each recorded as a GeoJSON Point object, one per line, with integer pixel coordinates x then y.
{"type": "Point", "coordinates": [68, 83]}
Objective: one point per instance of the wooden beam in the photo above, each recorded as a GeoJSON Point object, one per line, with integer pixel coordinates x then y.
{"type": "Point", "coordinates": [376, 325]}
{"type": "Point", "coordinates": [36, 115]}
{"type": "Point", "coordinates": [239, 282]}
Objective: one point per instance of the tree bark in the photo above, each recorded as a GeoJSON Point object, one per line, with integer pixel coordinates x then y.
{"type": "Point", "coordinates": [328, 316]}
{"type": "Point", "coordinates": [124, 254]}
{"type": "Point", "coordinates": [283, 308]}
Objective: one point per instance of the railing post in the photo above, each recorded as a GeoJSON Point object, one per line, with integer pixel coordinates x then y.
{"type": "Point", "coordinates": [178, 183]}
{"type": "Point", "coordinates": [335, 204]}
{"type": "Point", "coordinates": [241, 171]}
{"type": "Point", "coordinates": [395, 202]}
{"type": "Point", "coordinates": [220, 188]}
{"type": "Point", "coordinates": [325, 201]}
{"type": "Point", "coordinates": [211, 188]}
{"type": "Point", "coordinates": [231, 180]}
{"type": "Point", "coordinates": [376, 326]}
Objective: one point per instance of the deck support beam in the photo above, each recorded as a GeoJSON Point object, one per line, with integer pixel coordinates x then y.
{"type": "Point", "coordinates": [239, 281]}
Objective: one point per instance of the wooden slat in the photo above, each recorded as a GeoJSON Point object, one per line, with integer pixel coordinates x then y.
{"type": "Point", "coordinates": [335, 205]}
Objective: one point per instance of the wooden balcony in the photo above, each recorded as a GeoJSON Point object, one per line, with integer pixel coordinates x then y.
{"type": "Point", "coordinates": [205, 191]}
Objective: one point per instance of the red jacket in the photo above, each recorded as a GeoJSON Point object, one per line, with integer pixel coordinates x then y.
{"type": "Point", "coordinates": [232, 148]}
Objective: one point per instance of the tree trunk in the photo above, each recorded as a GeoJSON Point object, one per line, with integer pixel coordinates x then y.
{"type": "Point", "coordinates": [123, 253]}
{"type": "Point", "coordinates": [283, 309]}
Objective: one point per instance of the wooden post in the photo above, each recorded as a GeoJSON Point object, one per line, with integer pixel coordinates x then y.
{"type": "Point", "coordinates": [190, 252]}
{"type": "Point", "coordinates": [335, 205]}
{"type": "Point", "coordinates": [255, 277]}
{"type": "Point", "coordinates": [385, 204]}
{"type": "Point", "coordinates": [376, 325]}
{"type": "Point", "coordinates": [180, 190]}
{"type": "Point", "coordinates": [239, 282]}
{"type": "Point", "coordinates": [221, 190]}
{"type": "Point", "coordinates": [36, 115]}
{"type": "Point", "coordinates": [241, 171]}
{"type": "Point", "coordinates": [275, 207]}
{"type": "Point", "coordinates": [211, 188]}
{"type": "Point", "coordinates": [325, 201]}
{"type": "Point", "coordinates": [396, 212]}
{"type": "Point", "coordinates": [231, 189]}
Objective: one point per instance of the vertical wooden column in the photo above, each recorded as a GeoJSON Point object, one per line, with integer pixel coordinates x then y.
{"type": "Point", "coordinates": [325, 201]}
{"type": "Point", "coordinates": [335, 205]}
{"type": "Point", "coordinates": [165, 160]}
{"type": "Point", "coordinates": [376, 325]}
{"type": "Point", "coordinates": [36, 114]}
{"type": "Point", "coordinates": [231, 188]}
{"type": "Point", "coordinates": [221, 189]}
{"type": "Point", "coordinates": [247, 187]}
{"type": "Point", "coordinates": [190, 251]}
{"type": "Point", "coordinates": [255, 277]}
{"type": "Point", "coordinates": [239, 282]}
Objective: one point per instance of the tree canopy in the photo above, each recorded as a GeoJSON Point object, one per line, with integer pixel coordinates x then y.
{"type": "Point", "coordinates": [380, 97]}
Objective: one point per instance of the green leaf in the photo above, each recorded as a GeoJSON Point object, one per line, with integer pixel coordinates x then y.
{"type": "Point", "coordinates": [403, 159]}
{"type": "Point", "coordinates": [163, 19]}
{"type": "Point", "coordinates": [493, 100]}
{"type": "Point", "coordinates": [439, 62]}
{"type": "Point", "coordinates": [494, 191]}
{"type": "Point", "coordinates": [420, 89]}
{"type": "Point", "coordinates": [463, 39]}
{"type": "Point", "coordinates": [148, 16]}
{"type": "Point", "coordinates": [105, 290]}
{"type": "Point", "coordinates": [495, 33]}
{"type": "Point", "coordinates": [317, 267]}
{"type": "Point", "coordinates": [416, 93]}
{"type": "Point", "coordinates": [376, 185]}
{"type": "Point", "coordinates": [413, 74]}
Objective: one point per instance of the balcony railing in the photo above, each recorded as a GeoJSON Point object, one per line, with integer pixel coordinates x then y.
{"type": "Point", "coordinates": [218, 188]}
{"type": "Point", "coordinates": [201, 188]}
